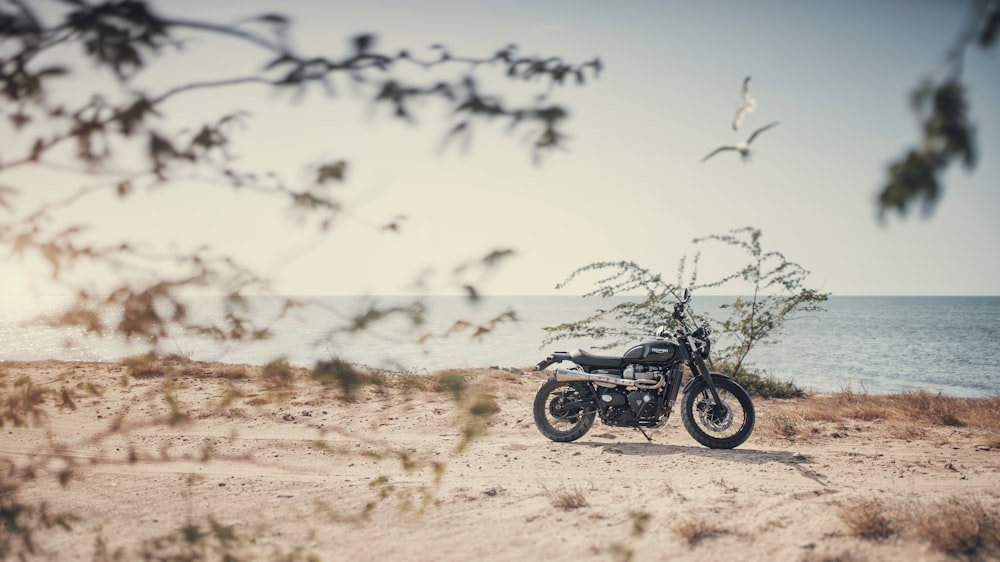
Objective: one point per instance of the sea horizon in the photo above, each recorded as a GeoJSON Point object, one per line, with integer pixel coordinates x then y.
{"type": "Point", "coordinates": [942, 343]}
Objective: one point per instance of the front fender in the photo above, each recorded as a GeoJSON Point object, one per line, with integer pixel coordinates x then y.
{"type": "Point", "coordinates": [714, 374]}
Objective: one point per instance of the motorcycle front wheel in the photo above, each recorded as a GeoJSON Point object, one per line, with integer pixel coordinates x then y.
{"type": "Point", "coordinates": [718, 426]}
{"type": "Point", "coordinates": [563, 410]}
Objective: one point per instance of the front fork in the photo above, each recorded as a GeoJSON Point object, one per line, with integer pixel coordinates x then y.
{"type": "Point", "coordinates": [699, 367]}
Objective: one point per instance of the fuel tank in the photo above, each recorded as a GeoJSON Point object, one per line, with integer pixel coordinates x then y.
{"type": "Point", "coordinates": [653, 351]}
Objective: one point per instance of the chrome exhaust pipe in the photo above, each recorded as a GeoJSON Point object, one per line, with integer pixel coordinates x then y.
{"type": "Point", "coordinates": [565, 375]}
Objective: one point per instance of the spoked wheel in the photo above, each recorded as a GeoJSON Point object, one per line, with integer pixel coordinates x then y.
{"type": "Point", "coordinates": [563, 410]}
{"type": "Point", "coordinates": [718, 426]}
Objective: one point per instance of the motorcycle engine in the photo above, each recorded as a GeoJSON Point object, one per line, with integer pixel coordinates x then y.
{"type": "Point", "coordinates": [624, 407]}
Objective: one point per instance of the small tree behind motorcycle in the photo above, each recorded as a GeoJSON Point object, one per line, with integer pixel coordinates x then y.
{"type": "Point", "coordinates": [639, 388]}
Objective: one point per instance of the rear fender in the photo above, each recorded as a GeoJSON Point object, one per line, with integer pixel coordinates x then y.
{"type": "Point", "coordinates": [554, 357]}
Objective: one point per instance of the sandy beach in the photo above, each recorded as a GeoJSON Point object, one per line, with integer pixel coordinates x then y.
{"type": "Point", "coordinates": [212, 460]}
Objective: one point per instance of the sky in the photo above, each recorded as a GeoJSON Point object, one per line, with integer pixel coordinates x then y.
{"type": "Point", "coordinates": [630, 183]}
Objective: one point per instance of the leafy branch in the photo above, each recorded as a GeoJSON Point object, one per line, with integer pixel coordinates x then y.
{"type": "Point", "coordinates": [941, 108]}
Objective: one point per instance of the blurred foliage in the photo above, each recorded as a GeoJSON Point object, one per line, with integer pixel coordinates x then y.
{"type": "Point", "coordinates": [70, 104]}
{"type": "Point", "coordinates": [41, 58]}
{"type": "Point", "coordinates": [772, 290]}
{"type": "Point", "coordinates": [941, 107]}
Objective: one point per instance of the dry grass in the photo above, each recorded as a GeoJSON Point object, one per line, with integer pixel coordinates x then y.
{"type": "Point", "coordinates": [640, 522]}
{"type": "Point", "coordinates": [915, 406]}
{"type": "Point", "coordinates": [959, 527]}
{"type": "Point", "coordinates": [566, 499]}
{"type": "Point", "coordinates": [278, 375]}
{"type": "Point", "coordinates": [784, 424]}
{"type": "Point", "coordinates": [234, 372]}
{"type": "Point", "coordinates": [905, 415]}
{"type": "Point", "coordinates": [151, 365]}
{"type": "Point", "coordinates": [845, 556]}
{"type": "Point", "coordinates": [962, 527]}
{"type": "Point", "coordinates": [870, 519]}
{"type": "Point", "coordinates": [693, 531]}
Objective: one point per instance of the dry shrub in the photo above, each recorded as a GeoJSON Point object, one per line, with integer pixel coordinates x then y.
{"type": "Point", "coordinates": [959, 527]}
{"type": "Point", "coordinates": [24, 404]}
{"type": "Point", "coordinates": [453, 382]}
{"type": "Point", "coordinates": [781, 424]}
{"type": "Point", "coordinates": [845, 556]}
{"type": "Point", "coordinates": [507, 376]}
{"type": "Point", "coordinates": [233, 372]}
{"type": "Point", "coordinates": [693, 531]}
{"type": "Point", "coordinates": [278, 374]}
{"type": "Point", "coordinates": [567, 499]}
{"type": "Point", "coordinates": [640, 522]}
{"type": "Point", "coordinates": [478, 406]}
{"type": "Point", "coordinates": [955, 526]}
{"type": "Point", "coordinates": [339, 374]}
{"type": "Point", "coordinates": [410, 383]}
{"type": "Point", "coordinates": [151, 365]}
{"type": "Point", "coordinates": [905, 431]}
{"type": "Point", "coordinates": [870, 518]}
{"type": "Point", "coordinates": [147, 365]}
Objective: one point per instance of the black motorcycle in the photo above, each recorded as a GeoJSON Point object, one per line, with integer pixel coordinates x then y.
{"type": "Point", "coordinates": [639, 388]}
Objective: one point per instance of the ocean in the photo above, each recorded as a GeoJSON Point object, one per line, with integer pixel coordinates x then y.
{"type": "Point", "coordinates": [878, 345]}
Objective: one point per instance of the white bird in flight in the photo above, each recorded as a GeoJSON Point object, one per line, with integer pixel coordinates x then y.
{"type": "Point", "coordinates": [744, 147]}
{"type": "Point", "coordinates": [746, 106]}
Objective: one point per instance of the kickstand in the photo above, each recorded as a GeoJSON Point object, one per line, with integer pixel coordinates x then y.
{"type": "Point", "coordinates": [648, 438]}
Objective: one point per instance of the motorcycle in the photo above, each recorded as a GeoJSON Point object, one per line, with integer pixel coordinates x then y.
{"type": "Point", "coordinates": [639, 389]}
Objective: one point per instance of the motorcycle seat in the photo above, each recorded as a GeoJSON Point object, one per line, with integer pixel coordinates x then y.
{"type": "Point", "coordinates": [586, 359]}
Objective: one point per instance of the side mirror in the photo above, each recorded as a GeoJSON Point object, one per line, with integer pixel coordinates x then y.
{"type": "Point", "coordinates": [687, 295]}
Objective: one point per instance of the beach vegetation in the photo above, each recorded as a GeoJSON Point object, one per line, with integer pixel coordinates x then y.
{"type": "Point", "coordinates": [758, 382]}
{"type": "Point", "coordinates": [962, 527]}
{"type": "Point", "coordinates": [565, 498]}
{"type": "Point", "coordinates": [843, 556]}
{"type": "Point", "coordinates": [959, 526]}
{"type": "Point", "coordinates": [917, 407]}
{"type": "Point", "coordinates": [450, 381]}
{"type": "Point", "coordinates": [772, 289]}
{"type": "Point", "coordinates": [23, 402]}
{"type": "Point", "coordinates": [904, 415]}
{"type": "Point", "coordinates": [640, 522]}
{"type": "Point", "coordinates": [870, 518]}
{"type": "Point", "coordinates": [697, 529]}
{"type": "Point", "coordinates": [782, 424]}
{"type": "Point", "coordinates": [278, 374]}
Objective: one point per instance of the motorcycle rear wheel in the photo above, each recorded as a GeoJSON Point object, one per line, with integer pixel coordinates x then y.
{"type": "Point", "coordinates": [563, 411]}
{"type": "Point", "coordinates": [716, 426]}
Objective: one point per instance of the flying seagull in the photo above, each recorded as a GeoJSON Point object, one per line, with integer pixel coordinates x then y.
{"type": "Point", "coordinates": [746, 106]}
{"type": "Point", "coordinates": [744, 147]}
